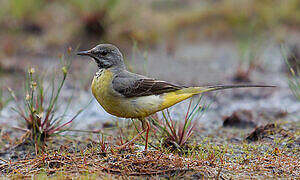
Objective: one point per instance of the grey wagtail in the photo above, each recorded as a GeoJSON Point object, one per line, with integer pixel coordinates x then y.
{"type": "Point", "coordinates": [128, 95]}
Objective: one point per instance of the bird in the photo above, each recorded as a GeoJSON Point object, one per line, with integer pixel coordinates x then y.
{"type": "Point", "coordinates": [128, 95]}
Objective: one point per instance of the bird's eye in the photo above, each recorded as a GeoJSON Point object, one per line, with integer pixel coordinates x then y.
{"type": "Point", "coordinates": [104, 53]}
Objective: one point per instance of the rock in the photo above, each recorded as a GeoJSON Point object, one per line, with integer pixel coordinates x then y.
{"type": "Point", "coordinates": [261, 132]}
{"type": "Point", "coordinates": [267, 130]}
{"type": "Point", "coordinates": [241, 76]}
{"type": "Point", "coordinates": [239, 118]}
{"type": "Point", "coordinates": [108, 124]}
{"type": "Point", "coordinates": [32, 27]}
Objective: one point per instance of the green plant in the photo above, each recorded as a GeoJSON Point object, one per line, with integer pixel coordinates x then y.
{"type": "Point", "coordinates": [249, 51]}
{"type": "Point", "coordinates": [40, 111]}
{"type": "Point", "coordinates": [90, 6]}
{"type": "Point", "coordinates": [293, 79]}
{"type": "Point", "coordinates": [138, 54]}
{"type": "Point", "coordinates": [294, 84]}
{"type": "Point", "coordinates": [3, 101]}
{"type": "Point", "coordinates": [102, 144]}
{"type": "Point", "coordinates": [19, 10]}
{"type": "Point", "coordinates": [22, 9]}
{"type": "Point", "coordinates": [176, 134]}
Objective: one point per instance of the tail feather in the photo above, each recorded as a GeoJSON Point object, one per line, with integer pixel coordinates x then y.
{"type": "Point", "coordinates": [202, 89]}
{"type": "Point", "coordinates": [171, 98]}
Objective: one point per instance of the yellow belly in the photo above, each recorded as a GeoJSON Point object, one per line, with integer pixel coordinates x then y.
{"type": "Point", "coordinates": [135, 107]}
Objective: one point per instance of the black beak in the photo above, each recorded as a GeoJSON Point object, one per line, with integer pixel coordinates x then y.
{"type": "Point", "coordinates": [84, 53]}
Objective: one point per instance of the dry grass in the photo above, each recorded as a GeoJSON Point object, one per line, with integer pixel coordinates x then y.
{"type": "Point", "coordinates": [152, 163]}
{"type": "Point", "coordinates": [209, 158]}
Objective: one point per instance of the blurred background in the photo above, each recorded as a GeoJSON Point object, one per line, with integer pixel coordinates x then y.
{"type": "Point", "coordinates": [39, 27]}
{"type": "Point", "coordinates": [187, 42]}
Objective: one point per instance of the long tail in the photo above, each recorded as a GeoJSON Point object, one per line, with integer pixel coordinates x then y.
{"type": "Point", "coordinates": [171, 98]}
{"type": "Point", "coordinates": [202, 89]}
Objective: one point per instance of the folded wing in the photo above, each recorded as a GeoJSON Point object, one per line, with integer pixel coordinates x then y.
{"type": "Point", "coordinates": [132, 85]}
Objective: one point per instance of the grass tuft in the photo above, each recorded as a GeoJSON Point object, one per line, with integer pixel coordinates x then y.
{"type": "Point", "coordinates": [40, 108]}
{"type": "Point", "coordinates": [293, 79]}
{"type": "Point", "coordinates": [176, 134]}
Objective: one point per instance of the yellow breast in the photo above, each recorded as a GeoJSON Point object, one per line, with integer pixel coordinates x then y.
{"type": "Point", "coordinates": [118, 105]}
{"type": "Point", "coordinates": [102, 91]}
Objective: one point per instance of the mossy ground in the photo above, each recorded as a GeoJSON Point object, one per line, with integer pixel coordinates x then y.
{"type": "Point", "coordinates": [225, 154]}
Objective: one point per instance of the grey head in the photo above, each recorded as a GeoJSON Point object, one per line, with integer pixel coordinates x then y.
{"type": "Point", "coordinates": [105, 55]}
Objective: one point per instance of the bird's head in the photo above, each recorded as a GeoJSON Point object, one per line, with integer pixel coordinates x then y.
{"type": "Point", "coordinates": [105, 55]}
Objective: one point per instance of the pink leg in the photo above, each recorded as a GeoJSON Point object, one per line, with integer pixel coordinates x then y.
{"type": "Point", "coordinates": [132, 140]}
{"type": "Point", "coordinates": [147, 134]}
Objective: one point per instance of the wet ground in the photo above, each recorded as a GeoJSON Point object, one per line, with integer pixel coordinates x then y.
{"type": "Point", "coordinates": [193, 64]}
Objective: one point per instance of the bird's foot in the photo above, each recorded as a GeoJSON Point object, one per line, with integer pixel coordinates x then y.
{"type": "Point", "coordinates": [131, 141]}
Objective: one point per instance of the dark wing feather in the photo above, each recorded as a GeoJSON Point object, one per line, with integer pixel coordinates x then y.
{"type": "Point", "coordinates": [132, 85]}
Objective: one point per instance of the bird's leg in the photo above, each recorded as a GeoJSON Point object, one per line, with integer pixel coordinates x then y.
{"type": "Point", "coordinates": [146, 126]}
{"type": "Point", "coordinates": [132, 140]}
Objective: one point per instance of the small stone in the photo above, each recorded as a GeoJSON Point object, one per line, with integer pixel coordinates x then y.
{"type": "Point", "coordinates": [261, 132]}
